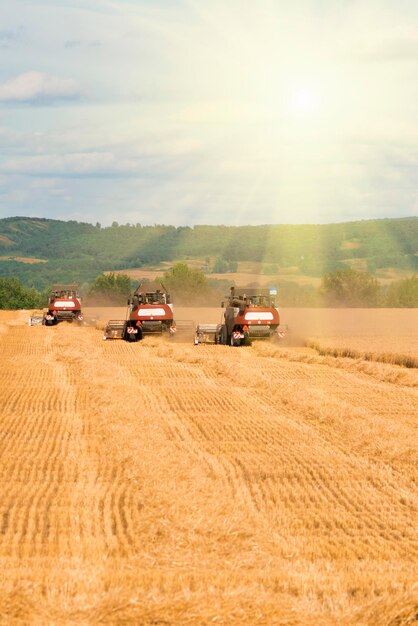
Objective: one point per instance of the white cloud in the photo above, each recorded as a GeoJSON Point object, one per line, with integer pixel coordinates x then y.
{"type": "Point", "coordinates": [76, 164]}
{"type": "Point", "coordinates": [37, 86]}
{"type": "Point", "coordinates": [387, 44]}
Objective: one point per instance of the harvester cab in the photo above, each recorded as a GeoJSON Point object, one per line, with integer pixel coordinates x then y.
{"type": "Point", "coordinates": [249, 313]}
{"type": "Point", "coordinates": [64, 304]}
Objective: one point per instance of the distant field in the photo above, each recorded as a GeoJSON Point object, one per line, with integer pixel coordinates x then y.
{"type": "Point", "coordinates": [249, 273]}
{"type": "Point", "coordinates": [239, 278]}
{"type": "Point", "coordinates": [22, 259]}
{"type": "Point", "coordinates": [164, 483]}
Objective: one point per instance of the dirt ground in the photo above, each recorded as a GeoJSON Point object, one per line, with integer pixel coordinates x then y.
{"type": "Point", "coordinates": [167, 483]}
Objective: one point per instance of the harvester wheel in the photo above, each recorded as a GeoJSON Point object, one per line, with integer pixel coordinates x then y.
{"type": "Point", "coordinates": [224, 336]}
{"type": "Point", "coordinates": [131, 336]}
{"type": "Point", "coordinates": [235, 342]}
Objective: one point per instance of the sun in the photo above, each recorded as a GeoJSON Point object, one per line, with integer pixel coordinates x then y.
{"type": "Point", "coordinates": [303, 100]}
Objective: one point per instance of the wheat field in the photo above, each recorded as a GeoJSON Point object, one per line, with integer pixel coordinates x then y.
{"type": "Point", "coordinates": [165, 484]}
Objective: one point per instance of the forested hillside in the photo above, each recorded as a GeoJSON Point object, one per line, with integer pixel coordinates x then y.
{"type": "Point", "coordinates": [41, 251]}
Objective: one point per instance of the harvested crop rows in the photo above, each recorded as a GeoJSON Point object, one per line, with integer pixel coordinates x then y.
{"type": "Point", "coordinates": [162, 483]}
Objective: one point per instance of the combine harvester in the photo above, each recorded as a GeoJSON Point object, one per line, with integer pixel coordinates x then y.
{"type": "Point", "coordinates": [149, 313]}
{"type": "Point", "coordinates": [64, 304]}
{"type": "Point", "coordinates": [249, 314]}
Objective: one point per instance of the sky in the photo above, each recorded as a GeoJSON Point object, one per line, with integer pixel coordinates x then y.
{"type": "Point", "coordinates": [209, 112]}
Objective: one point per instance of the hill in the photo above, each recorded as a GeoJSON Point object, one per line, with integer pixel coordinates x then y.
{"type": "Point", "coordinates": [40, 251]}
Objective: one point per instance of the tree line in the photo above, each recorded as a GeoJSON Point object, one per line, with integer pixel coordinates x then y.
{"type": "Point", "coordinates": [187, 285]}
{"type": "Point", "coordinates": [80, 251]}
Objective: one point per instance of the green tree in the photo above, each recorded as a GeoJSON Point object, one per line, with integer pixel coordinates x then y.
{"type": "Point", "coordinates": [351, 288]}
{"type": "Point", "coordinates": [14, 296]}
{"type": "Point", "coordinates": [111, 287]}
{"type": "Point", "coordinates": [291, 294]}
{"type": "Point", "coordinates": [220, 266]}
{"type": "Point", "coordinates": [403, 293]}
{"type": "Point", "coordinates": [185, 283]}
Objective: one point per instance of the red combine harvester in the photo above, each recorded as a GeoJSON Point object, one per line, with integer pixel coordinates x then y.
{"type": "Point", "coordinates": [64, 304]}
{"type": "Point", "coordinates": [249, 314]}
{"type": "Point", "coordinates": [149, 312]}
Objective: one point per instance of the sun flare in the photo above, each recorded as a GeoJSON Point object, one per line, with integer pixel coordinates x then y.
{"type": "Point", "coordinates": [303, 100]}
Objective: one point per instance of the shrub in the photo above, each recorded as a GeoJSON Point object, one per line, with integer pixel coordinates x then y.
{"type": "Point", "coordinates": [14, 296]}
{"type": "Point", "coordinates": [351, 288]}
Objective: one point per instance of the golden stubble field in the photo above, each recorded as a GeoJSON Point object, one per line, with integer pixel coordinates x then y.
{"type": "Point", "coordinates": [162, 483]}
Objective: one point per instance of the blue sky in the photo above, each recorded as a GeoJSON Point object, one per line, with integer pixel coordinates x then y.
{"type": "Point", "coordinates": [208, 111]}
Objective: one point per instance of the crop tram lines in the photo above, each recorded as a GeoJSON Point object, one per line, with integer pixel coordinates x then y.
{"type": "Point", "coordinates": [170, 406]}
{"type": "Point", "coordinates": [344, 493]}
{"type": "Point", "coordinates": [176, 469]}
{"type": "Point", "coordinates": [197, 403]}
{"type": "Point", "coordinates": [35, 450]}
